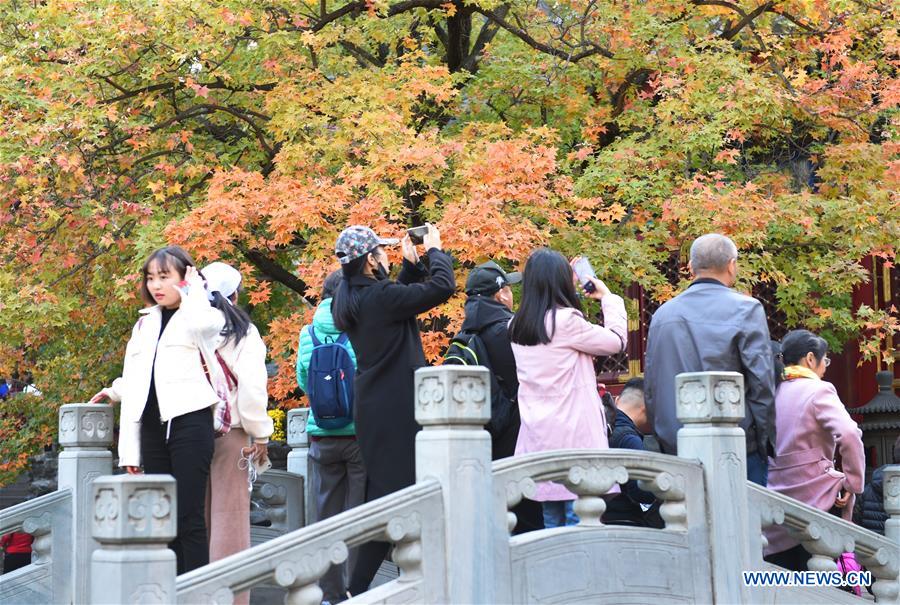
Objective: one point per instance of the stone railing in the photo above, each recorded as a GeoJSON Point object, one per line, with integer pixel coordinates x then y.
{"type": "Point", "coordinates": [451, 530]}
{"type": "Point", "coordinates": [48, 578]}
{"type": "Point", "coordinates": [280, 498]}
{"type": "Point", "coordinates": [296, 561]}
{"type": "Point", "coordinates": [60, 521]}
{"type": "Point", "coordinates": [826, 537]}
{"type": "Point", "coordinates": [590, 474]}
{"type": "Point", "coordinates": [298, 459]}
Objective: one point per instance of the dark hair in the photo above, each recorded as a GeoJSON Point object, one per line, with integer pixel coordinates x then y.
{"type": "Point", "coordinates": [237, 322]}
{"type": "Point", "coordinates": [546, 285]}
{"type": "Point", "coordinates": [896, 451]}
{"type": "Point", "coordinates": [634, 383]}
{"type": "Point", "coordinates": [170, 258]}
{"type": "Point", "coordinates": [331, 284]}
{"type": "Point", "coordinates": [777, 361]}
{"type": "Point", "coordinates": [609, 411]}
{"type": "Point", "coordinates": [345, 306]}
{"type": "Point", "coordinates": [798, 343]}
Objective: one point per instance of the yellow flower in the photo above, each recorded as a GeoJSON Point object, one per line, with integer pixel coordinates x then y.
{"type": "Point", "coordinates": [278, 418]}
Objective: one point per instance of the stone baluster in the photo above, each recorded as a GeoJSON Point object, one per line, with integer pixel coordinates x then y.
{"type": "Point", "coordinates": [710, 405]}
{"type": "Point", "coordinates": [886, 585]}
{"type": "Point", "coordinates": [453, 403]}
{"type": "Point", "coordinates": [40, 528]}
{"type": "Point", "coordinates": [85, 434]}
{"type": "Point", "coordinates": [134, 520]}
{"type": "Point", "coordinates": [298, 458]}
{"type": "Point", "coordinates": [300, 577]}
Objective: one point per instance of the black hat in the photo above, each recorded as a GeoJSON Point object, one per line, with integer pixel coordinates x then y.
{"type": "Point", "coordinates": [487, 279]}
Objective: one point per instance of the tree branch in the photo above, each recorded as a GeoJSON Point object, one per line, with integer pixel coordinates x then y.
{"type": "Point", "coordinates": [544, 48]}
{"type": "Point", "coordinates": [270, 268]}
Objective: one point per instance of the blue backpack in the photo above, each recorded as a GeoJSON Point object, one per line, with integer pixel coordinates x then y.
{"type": "Point", "coordinates": [330, 382]}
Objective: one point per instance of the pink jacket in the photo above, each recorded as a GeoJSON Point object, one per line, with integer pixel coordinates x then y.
{"type": "Point", "coordinates": [810, 423]}
{"type": "Point", "coordinates": [558, 399]}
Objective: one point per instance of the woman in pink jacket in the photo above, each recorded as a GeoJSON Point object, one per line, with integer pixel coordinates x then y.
{"type": "Point", "coordinates": [554, 346]}
{"type": "Point", "coordinates": [811, 426]}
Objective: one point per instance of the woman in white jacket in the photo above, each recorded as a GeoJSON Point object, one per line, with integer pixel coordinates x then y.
{"type": "Point", "coordinates": [243, 351]}
{"type": "Point", "coordinates": [166, 424]}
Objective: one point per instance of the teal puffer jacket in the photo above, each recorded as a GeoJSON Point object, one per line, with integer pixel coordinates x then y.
{"type": "Point", "coordinates": [323, 324]}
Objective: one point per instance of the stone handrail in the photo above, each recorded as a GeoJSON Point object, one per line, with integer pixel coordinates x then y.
{"type": "Point", "coordinates": [451, 530]}
{"type": "Point", "coordinates": [591, 473]}
{"type": "Point", "coordinates": [49, 519]}
{"type": "Point", "coordinates": [826, 537]}
{"type": "Point", "coordinates": [297, 560]}
{"type": "Point", "coordinates": [26, 515]}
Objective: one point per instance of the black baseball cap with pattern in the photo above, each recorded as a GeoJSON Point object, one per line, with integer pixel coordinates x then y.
{"type": "Point", "coordinates": [356, 241]}
{"type": "Point", "coordinates": [487, 278]}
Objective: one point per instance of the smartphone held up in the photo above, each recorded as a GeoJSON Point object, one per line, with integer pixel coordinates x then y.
{"type": "Point", "coordinates": [584, 272]}
{"type": "Point", "coordinates": [417, 234]}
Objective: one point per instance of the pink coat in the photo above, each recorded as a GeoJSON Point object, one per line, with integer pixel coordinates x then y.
{"type": "Point", "coordinates": [558, 399]}
{"type": "Point", "coordinates": [810, 423]}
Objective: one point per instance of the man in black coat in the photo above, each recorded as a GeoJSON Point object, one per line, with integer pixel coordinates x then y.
{"type": "Point", "coordinates": [633, 506]}
{"type": "Point", "coordinates": [488, 313]}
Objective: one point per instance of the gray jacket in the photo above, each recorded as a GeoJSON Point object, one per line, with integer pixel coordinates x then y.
{"type": "Point", "coordinates": [710, 327]}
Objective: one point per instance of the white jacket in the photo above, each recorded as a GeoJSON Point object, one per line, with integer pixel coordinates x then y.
{"type": "Point", "coordinates": [247, 361]}
{"type": "Point", "coordinates": [174, 360]}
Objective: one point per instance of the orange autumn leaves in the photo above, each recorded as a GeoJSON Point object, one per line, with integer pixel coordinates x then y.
{"type": "Point", "coordinates": [493, 194]}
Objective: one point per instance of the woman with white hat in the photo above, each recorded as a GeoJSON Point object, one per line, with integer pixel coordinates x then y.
{"type": "Point", "coordinates": [244, 445]}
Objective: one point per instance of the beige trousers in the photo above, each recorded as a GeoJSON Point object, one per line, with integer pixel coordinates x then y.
{"type": "Point", "coordinates": [228, 501]}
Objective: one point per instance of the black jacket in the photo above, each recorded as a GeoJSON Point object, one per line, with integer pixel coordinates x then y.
{"type": "Point", "coordinates": [388, 352]}
{"type": "Point", "coordinates": [491, 320]}
{"type": "Point", "coordinates": [869, 509]}
{"type": "Point", "coordinates": [625, 509]}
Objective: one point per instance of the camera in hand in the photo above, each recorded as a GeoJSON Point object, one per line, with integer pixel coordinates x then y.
{"type": "Point", "coordinates": [584, 271]}
{"type": "Point", "coordinates": [417, 234]}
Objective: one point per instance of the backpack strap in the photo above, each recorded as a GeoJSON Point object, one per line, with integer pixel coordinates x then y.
{"type": "Point", "coordinates": [312, 333]}
{"type": "Point", "coordinates": [343, 339]}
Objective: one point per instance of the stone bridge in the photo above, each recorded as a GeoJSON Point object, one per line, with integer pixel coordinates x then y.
{"type": "Point", "coordinates": [102, 538]}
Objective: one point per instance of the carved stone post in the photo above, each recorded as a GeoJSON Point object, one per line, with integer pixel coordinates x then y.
{"type": "Point", "coordinates": [298, 458]}
{"type": "Point", "coordinates": [888, 591]}
{"type": "Point", "coordinates": [710, 405]}
{"type": "Point", "coordinates": [453, 403]}
{"type": "Point", "coordinates": [85, 434]}
{"type": "Point", "coordinates": [134, 520]}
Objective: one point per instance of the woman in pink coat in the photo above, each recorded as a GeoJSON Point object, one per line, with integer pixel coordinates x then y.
{"type": "Point", "coordinates": [811, 426]}
{"type": "Point", "coordinates": [554, 346]}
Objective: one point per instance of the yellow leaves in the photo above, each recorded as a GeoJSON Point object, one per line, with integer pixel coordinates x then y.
{"type": "Point", "coordinates": [158, 189]}
{"type": "Point", "coordinates": [449, 8]}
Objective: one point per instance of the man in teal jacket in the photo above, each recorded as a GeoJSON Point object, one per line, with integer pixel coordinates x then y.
{"type": "Point", "coordinates": [338, 474]}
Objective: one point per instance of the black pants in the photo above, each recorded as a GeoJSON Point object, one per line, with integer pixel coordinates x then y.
{"type": "Point", "coordinates": [368, 560]}
{"type": "Point", "coordinates": [186, 455]}
{"type": "Point", "coordinates": [15, 560]}
{"type": "Point", "coordinates": [795, 559]}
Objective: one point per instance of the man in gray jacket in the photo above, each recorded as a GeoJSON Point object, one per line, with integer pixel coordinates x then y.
{"type": "Point", "coordinates": [710, 327]}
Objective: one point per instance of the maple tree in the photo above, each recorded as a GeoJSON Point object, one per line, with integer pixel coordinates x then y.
{"type": "Point", "coordinates": [254, 132]}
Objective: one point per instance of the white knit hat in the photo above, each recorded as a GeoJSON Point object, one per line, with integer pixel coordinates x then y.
{"type": "Point", "coordinates": [221, 278]}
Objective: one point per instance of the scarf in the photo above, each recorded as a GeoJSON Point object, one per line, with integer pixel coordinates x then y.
{"type": "Point", "coordinates": [792, 372]}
